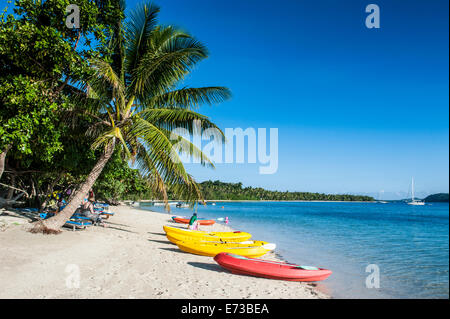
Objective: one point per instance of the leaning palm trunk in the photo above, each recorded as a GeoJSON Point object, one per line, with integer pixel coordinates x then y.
{"type": "Point", "coordinates": [53, 225]}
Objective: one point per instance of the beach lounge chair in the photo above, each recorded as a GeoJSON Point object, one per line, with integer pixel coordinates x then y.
{"type": "Point", "coordinates": [107, 214]}
{"type": "Point", "coordinates": [103, 209]}
{"type": "Point", "coordinates": [78, 216]}
{"type": "Point", "coordinates": [76, 221]}
{"type": "Point", "coordinates": [80, 224]}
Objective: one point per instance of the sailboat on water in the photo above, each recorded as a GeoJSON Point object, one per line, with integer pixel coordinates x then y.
{"type": "Point", "coordinates": [379, 198]}
{"type": "Point", "coordinates": [413, 200]}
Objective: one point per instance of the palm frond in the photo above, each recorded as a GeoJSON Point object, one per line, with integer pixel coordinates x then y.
{"type": "Point", "coordinates": [105, 76]}
{"type": "Point", "coordinates": [186, 147]}
{"type": "Point", "coordinates": [159, 71]}
{"type": "Point", "coordinates": [183, 187]}
{"type": "Point", "coordinates": [137, 31]}
{"type": "Point", "coordinates": [158, 145]}
{"type": "Point", "coordinates": [104, 139]}
{"type": "Point", "coordinates": [190, 98]}
{"type": "Point", "coordinates": [171, 119]}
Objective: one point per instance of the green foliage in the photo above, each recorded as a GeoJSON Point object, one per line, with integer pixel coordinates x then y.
{"type": "Point", "coordinates": [41, 65]}
{"type": "Point", "coordinates": [39, 51]}
{"type": "Point", "coordinates": [28, 118]}
{"type": "Point", "coordinates": [37, 42]}
{"type": "Point", "coordinates": [234, 191]}
{"type": "Point", "coordinates": [96, 16]}
{"type": "Point", "coordinates": [37, 55]}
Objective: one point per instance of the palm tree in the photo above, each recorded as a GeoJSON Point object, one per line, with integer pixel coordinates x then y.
{"type": "Point", "coordinates": [135, 103]}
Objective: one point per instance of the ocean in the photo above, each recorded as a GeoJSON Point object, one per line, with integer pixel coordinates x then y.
{"type": "Point", "coordinates": [375, 250]}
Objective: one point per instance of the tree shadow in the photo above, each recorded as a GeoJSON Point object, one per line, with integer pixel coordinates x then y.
{"type": "Point", "coordinates": [177, 250]}
{"type": "Point", "coordinates": [179, 226]}
{"type": "Point", "coordinates": [30, 216]}
{"type": "Point", "coordinates": [161, 234]}
{"type": "Point", "coordinates": [109, 223]}
{"type": "Point", "coordinates": [120, 229]}
{"type": "Point", "coordinates": [161, 241]}
{"type": "Point", "coordinates": [212, 267]}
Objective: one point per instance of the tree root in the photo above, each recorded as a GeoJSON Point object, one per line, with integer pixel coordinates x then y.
{"type": "Point", "coordinates": [40, 227]}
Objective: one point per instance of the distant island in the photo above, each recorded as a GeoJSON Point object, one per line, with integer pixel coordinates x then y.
{"type": "Point", "coordinates": [217, 190]}
{"type": "Point", "coordinates": [437, 198]}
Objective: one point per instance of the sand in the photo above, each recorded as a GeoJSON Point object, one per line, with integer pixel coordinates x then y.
{"type": "Point", "coordinates": [131, 258]}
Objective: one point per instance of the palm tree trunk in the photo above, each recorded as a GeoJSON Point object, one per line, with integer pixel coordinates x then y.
{"type": "Point", "coordinates": [53, 224]}
{"type": "Point", "coordinates": [3, 158]}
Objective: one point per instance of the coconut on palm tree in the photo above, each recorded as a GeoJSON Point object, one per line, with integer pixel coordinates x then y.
{"type": "Point", "coordinates": [135, 102]}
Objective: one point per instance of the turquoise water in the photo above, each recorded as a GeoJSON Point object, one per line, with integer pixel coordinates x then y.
{"type": "Point", "coordinates": [408, 244]}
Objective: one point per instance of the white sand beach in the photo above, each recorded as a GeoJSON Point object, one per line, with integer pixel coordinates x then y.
{"type": "Point", "coordinates": [131, 258]}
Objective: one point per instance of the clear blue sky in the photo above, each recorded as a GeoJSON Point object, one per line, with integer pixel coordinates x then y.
{"type": "Point", "coordinates": [358, 110]}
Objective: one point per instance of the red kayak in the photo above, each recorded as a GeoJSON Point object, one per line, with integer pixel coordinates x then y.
{"type": "Point", "coordinates": [270, 269]}
{"type": "Point", "coordinates": [203, 222]}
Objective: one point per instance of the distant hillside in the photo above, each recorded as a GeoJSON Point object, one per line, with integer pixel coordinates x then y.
{"type": "Point", "coordinates": [218, 190]}
{"type": "Point", "coordinates": [441, 197]}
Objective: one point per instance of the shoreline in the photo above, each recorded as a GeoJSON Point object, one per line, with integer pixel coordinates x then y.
{"type": "Point", "coordinates": [255, 201]}
{"type": "Point", "coordinates": [273, 255]}
{"type": "Point", "coordinates": [131, 258]}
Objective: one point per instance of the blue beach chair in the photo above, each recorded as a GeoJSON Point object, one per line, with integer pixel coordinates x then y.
{"type": "Point", "coordinates": [78, 216]}
{"type": "Point", "coordinates": [46, 215]}
{"type": "Point", "coordinates": [78, 223]}
{"type": "Point", "coordinates": [100, 208]}
{"type": "Point", "coordinates": [107, 214]}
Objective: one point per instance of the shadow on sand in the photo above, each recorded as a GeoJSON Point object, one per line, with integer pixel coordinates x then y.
{"type": "Point", "coordinates": [162, 241]}
{"type": "Point", "coordinates": [161, 234]}
{"type": "Point", "coordinates": [30, 216]}
{"type": "Point", "coordinates": [120, 229]}
{"type": "Point", "coordinates": [176, 250]}
{"type": "Point", "coordinates": [116, 224]}
{"type": "Point", "coordinates": [213, 267]}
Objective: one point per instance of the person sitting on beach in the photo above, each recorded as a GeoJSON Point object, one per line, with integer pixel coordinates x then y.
{"type": "Point", "coordinates": [91, 195]}
{"type": "Point", "coordinates": [61, 203]}
{"type": "Point", "coordinates": [193, 223]}
{"type": "Point", "coordinates": [87, 210]}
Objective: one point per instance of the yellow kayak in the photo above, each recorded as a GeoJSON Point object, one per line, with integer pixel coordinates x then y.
{"type": "Point", "coordinates": [174, 238]}
{"type": "Point", "coordinates": [212, 249]}
{"type": "Point", "coordinates": [175, 234]}
{"type": "Point", "coordinates": [246, 243]}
